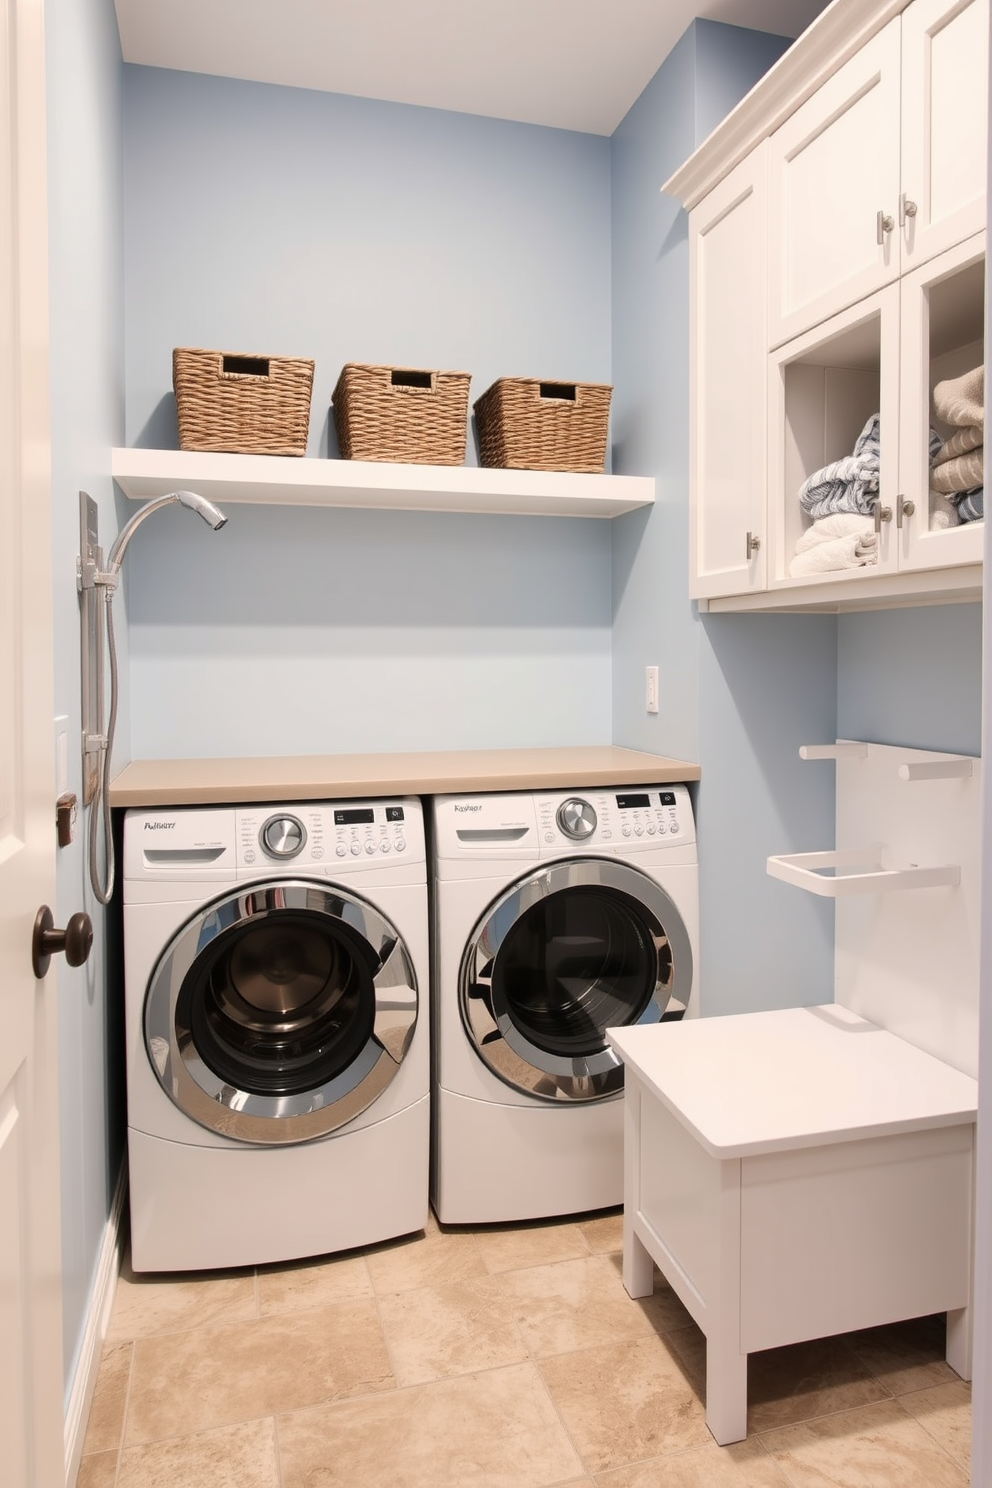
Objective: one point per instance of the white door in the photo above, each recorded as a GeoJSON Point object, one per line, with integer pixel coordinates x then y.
{"type": "Point", "coordinates": [31, 1420]}
{"type": "Point", "coordinates": [727, 402]}
{"type": "Point", "coordinates": [944, 125]}
{"type": "Point", "coordinates": [833, 188]}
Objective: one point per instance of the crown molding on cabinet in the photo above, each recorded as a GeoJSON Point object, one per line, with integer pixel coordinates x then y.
{"type": "Point", "coordinates": [840, 31]}
{"type": "Point", "coordinates": [287, 481]}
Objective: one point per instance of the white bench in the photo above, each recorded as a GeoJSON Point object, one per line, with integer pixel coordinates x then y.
{"type": "Point", "coordinates": [795, 1174]}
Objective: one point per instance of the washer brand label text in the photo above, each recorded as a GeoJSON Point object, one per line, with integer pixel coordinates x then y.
{"type": "Point", "coordinates": [468, 808]}
{"type": "Point", "coordinates": [159, 826]}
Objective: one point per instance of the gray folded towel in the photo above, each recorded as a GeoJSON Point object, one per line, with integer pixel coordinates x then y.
{"type": "Point", "coordinates": [960, 401]}
{"type": "Point", "coordinates": [971, 505]}
{"type": "Point", "coordinates": [847, 485]}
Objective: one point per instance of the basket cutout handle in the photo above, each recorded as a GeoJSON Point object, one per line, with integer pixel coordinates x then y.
{"type": "Point", "coordinates": [400, 377]}
{"type": "Point", "coordinates": [244, 366]}
{"type": "Point", "coordinates": [564, 392]}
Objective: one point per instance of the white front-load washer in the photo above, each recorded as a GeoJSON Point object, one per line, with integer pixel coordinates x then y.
{"type": "Point", "coordinates": [556, 916]}
{"type": "Point", "coordinates": [278, 1068]}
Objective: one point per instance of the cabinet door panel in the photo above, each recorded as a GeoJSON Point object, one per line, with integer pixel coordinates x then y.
{"type": "Point", "coordinates": [944, 104]}
{"type": "Point", "coordinates": [727, 427]}
{"type": "Point", "coordinates": [833, 167]}
{"type": "Point", "coordinates": [823, 388]}
{"type": "Point", "coordinates": [943, 316]}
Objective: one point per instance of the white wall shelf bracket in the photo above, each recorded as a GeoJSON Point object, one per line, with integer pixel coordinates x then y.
{"type": "Point", "coordinates": [951, 769]}
{"type": "Point", "coordinates": [810, 871]}
{"type": "Point", "coordinates": [843, 749]}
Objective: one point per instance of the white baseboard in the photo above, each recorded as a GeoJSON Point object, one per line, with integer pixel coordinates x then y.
{"type": "Point", "coordinates": [98, 1317]}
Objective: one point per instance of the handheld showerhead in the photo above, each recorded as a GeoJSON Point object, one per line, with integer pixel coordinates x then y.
{"type": "Point", "coordinates": [107, 580]}
{"type": "Point", "coordinates": [211, 514]}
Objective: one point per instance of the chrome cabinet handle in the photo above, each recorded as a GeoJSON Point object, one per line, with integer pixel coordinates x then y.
{"type": "Point", "coordinates": [884, 223]}
{"type": "Point", "coordinates": [882, 514]}
{"type": "Point", "coordinates": [751, 546]}
{"type": "Point", "coordinates": [903, 508]}
{"type": "Point", "coordinates": [907, 208]}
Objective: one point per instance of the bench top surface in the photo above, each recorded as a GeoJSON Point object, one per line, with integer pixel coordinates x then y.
{"type": "Point", "coordinates": [797, 1077]}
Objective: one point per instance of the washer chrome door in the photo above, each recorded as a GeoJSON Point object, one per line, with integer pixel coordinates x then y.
{"type": "Point", "coordinates": [279, 1012]}
{"type": "Point", "coordinates": [573, 949]}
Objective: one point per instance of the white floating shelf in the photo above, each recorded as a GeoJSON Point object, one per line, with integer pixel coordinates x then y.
{"type": "Point", "coordinates": [278, 480]}
{"type": "Point", "coordinates": [803, 871]}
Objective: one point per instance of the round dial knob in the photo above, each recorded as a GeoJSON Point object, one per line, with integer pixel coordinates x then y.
{"type": "Point", "coordinates": [282, 836]}
{"type": "Point", "coordinates": [576, 818]}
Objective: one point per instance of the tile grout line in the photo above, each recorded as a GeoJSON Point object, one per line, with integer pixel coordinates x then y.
{"type": "Point", "coordinates": [277, 1449]}
{"type": "Point", "coordinates": [964, 1466]}
{"type": "Point", "coordinates": [124, 1414]}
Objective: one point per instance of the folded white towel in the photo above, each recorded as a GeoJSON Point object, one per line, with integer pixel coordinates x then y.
{"type": "Point", "coordinates": [943, 512]}
{"type": "Point", "coordinates": [838, 524]}
{"type": "Point", "coordinates": [842, 540]}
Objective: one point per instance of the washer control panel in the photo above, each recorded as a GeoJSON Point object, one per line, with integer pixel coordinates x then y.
{"type": "Point", "coordinates": [330, 836]}
{"type": "Point", "coordinates": [625, 818]}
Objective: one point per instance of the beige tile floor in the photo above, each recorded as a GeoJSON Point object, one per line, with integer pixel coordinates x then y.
{"type": "Point", "coordinates": [503, 1357]}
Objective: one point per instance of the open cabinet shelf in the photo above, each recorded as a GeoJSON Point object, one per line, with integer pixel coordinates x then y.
{"type": "Point", "coordinates": [285, 481]}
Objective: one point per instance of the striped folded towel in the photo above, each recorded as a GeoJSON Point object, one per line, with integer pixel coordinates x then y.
{"type": "Point", "coordinates": [848, 485]}
{"type": "Point", "coordinates": [964, 473]}
{"type": "Point", "coordinates": [960, 401]}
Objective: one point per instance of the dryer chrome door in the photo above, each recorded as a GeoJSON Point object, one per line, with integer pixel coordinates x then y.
{"type": "Point", "coordinates": [573, 949]}
{"type": "Point", "coordinates": [280, 1011]}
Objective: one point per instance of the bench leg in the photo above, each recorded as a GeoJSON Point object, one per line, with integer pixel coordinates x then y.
{"type": "Point", "coordinates": [638, 1267]}
{"type": "Point", "coordinates": [726, 1391]}
{"type": "Point", "coordinates": [959, 1341]}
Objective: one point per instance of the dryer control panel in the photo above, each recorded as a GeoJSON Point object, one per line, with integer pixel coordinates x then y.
{"type": "Point", "coordinates": [621, 820]}
{"type": "Point", "coordinates": [624, 819]}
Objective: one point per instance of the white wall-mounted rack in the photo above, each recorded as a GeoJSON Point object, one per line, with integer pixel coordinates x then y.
{"type": "Point", "coordinates": [808, 871]}
{"type": "Point", "coordinates": [278, 480]}
{"type": "Point", "coordinates": [906, 960]}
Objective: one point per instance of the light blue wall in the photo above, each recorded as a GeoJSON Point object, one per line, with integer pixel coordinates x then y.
{"type": "Point", "coordinates": [912, 677]}
{"type": "Point", "coordinates": [738, 693]}
{"type": "Point", "coordinates": [267, 219]}
{"type": "Point", "coordinates": [86, 265]}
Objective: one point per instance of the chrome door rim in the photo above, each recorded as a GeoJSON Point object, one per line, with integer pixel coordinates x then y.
{"type": "Point", "coordinates": [497, 1040]}
{"type": "Point", "coordinates": [247, 1116]}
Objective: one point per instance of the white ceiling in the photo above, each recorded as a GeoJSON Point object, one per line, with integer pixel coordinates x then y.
{"type": "Point", "coordinates": [571, 64]}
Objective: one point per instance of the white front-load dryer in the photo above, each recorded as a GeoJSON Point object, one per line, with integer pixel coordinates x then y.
{"type": "Point", "coordinates": [556, 916]}
{"type": "Point", "coordinates": [278, 1068]}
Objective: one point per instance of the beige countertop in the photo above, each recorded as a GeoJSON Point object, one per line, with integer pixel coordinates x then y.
{"type": "Point", "coordinates": [201, 782]}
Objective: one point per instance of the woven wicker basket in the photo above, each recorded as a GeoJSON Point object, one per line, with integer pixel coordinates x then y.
{"type": "Point", "coordinates": [245, 405]}
{"type": "Point", "coordinates": [401, 413]}
{"type": "Point", "coordinates": [526, 424]}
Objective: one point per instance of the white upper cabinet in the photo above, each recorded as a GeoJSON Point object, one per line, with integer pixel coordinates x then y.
{"type": "Point", "coordinates": [882, 168]}
{"type": "Point", "coordinates": [837, 251]}
{"type": "Point", "coordinates": [727, 440]}
{"type": "Point", "coordinates": [945, 60]}
{"type": "Point", "coordinates": [833, 184]}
